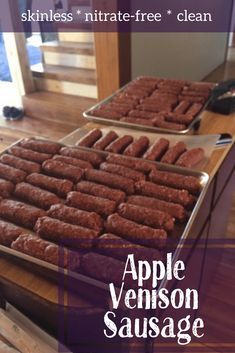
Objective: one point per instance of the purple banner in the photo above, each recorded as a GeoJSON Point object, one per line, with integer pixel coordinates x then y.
{"type": "Point", "coordinates": [185, 308]}
{"type": "Point", "coordinates": [121, 15]}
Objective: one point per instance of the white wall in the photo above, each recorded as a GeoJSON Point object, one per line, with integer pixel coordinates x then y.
{"type": "Point", "coordinates": [189, 56]}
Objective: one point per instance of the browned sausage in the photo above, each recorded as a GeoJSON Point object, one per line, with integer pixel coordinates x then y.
{"type": "Point", "coordinates": [119, 248]}
{"type": "Point", "coordinates": [142, 114]}
{"type": "Point", "coordinates": [137, 233]}
{"type": "Point", "coordinates": [190, 183]}
{"type": "Point", "coordinates": [190, 158]}
{"type": "Point", "coordinates": [195, 109]}
{"type": "Point", "coordinates": [162, 123]}
{"type": "Point", "coordinates": [119, 145]}
{"type": "Point", "coordinates": [106, 140]}
{"type": "Point", "coordinates": [94, 158]}
{"type": "Point", "coordinates": [175, 210]}
{"type": "Point", "coordinates": [143, 215]}
{"type": "Point", "coordinates": [101, 191]}
{"type": "Point", "coordinates": [46, 251]}
{"type": "Point", "coordinates": [103, 268]}
{"type": "Point", "coordinates": [73, 161]}
{"type": "Point", "coordinates": [41, 145]}
{"type": "Point", "coordinates": [77, 217]}
{"type": "Point", "coordinates": [90, 138]}
{"type": "Point", "coordinates": [156, 108]}
{"type": "Point", "coordinates": [60, 187]}
{"type": "Point", "coordinates": [123, 171]}
{"type": "Point", "coordinates": [6, 188]}
{"type": "Point", "coordinates": [19, 163]}
{"type": "Point", "coordinates": [106, 114]}
{"type": "Point", "coordinates": [35, 196]}
{"type": "Point", "coordinates": [29, 155]}
{"type": "Point", "coordinates": [142, 166]}
{"type": "Point", "coordinates": [138, 147]}
{"type": "Point", "coordinates": [8, 233]}
{"type": "Point", "coordinates": [90, 203]}
{"type": "Point", "coordinates": [165, 193]}
{"type": "Point", "coordinates": [156, 151]}
{"type": "Point", "coordinates": [182, 107]}
{"type": "Point", "coordinates": [20, 213]}
{"type": "Point", "coordinates": [138, 121]}
{"type": "Point", "coordinates": [185, 119]}
{"type": "Point", "coordinates": [64, 233]}
{"type": "Point", "coordinates": [111, 180]}
{"type": "Point", "coordinates": [62, 170]}
{"type": "Point", "coordinates": [191, 99]}
{"type": "Point", "coordinates": [171, 156]}
{"type": "Point", "coordinates": [11, 174]}
{"type": "Point", "coordinates": [116, 107]}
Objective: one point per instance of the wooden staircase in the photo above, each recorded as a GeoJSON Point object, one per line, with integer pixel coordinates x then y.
{"type": "Point", "coordinates": [69, 66]}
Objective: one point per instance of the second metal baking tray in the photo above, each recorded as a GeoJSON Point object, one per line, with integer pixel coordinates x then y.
{"type": "Point", "coordinates": [195, 124]}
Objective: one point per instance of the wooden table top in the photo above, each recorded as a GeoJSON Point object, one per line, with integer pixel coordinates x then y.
{"type": "Point", "coordinates": [46, 289]}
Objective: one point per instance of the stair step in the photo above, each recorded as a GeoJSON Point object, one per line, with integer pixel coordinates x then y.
{"type": "Point", "coordinates": [69, 48]}
{"type": "Point", "coordinates": [79, 37]}
{"type": "Point", "coordinates": [57, 107]}
{"type": "Point", "coordinates": [64, 73]}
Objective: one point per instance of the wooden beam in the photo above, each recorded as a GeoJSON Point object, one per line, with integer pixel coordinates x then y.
{"type": "Point", "coordinates": [15, 44]}
{"type": "Point", "coordinates": [113, 54]}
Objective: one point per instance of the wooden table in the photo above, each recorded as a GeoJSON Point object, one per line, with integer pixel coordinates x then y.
{"type": "Point", "coordinates": [37, 292]}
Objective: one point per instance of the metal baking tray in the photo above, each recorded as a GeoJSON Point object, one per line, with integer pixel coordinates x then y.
{"type": "Point", "coordinates": [194, 125]}
{"type": "Point", "coordinates": [86, 285]}
{"type": "Point", "coordinates": [207, 142]}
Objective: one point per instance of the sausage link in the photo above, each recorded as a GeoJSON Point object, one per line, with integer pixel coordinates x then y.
{"type": "Point", "coordinates": [64, 233]}
{"type": "Point", "coordinates": [123, 171]}
{"type": "Point", "coordinates": [106, 114]}
{"type": "Point", "coordinates": [120, 144]}
{"type": "Point", "coordinates": [130, 120]}
{"type": "Point", "coordinates": [8, 233]}
{"type": "Point", "coordinates": [182, 107]}
{"type": "Point", "coordinates": [185, 119]}
{"type": "Point", "coordinates": [138, 147]}
{"type": "Point", "coordinates": [143, 215]}
{"type": "Point", "coordinates": [20, 213]}
{"type": "Point", "coordinates": [77, 217]}
{"type": "Point", "coordinates": [103, 268]}
{"type": "Point", "coordinates": [142, 114]}
{"type": "Point", "coordinates": [35, 196]}
{"type": "Point", "coordinates": [106, 140]}
{"type": "Point", "coordinates": [46, 251]}
{"type": "Point", "coordinates": [60, 187]}
{"type": "Point", "coordinates": [162, 123]}
{"type": "Point", "coordinates": [156, 151]}
{"type": "Point", "coordinates": [190, 158]}
{"type": "Point", "coordinates": [73, 161]}
{"type": "Point", "coordinates": [190, 183]}
{"type": "Point", "coordinates": [41, 145]}
{"type": "Point", "coordinates": [22, 164]}
{"type": "Point", "coordinates": [132, 231]}
{"type": "Point", "coordinates": [94, 189]}
{"type": "Point", "coordinates": [62, 170]}
{"type": "Point", "coordinates": [174, 210]}
{"type": "Point", "coordinates": [6, 188]}
{"type": "Point", "coordinates": [111, 180]}
{"type": "Point", "coordinates": [91, 203]}
{"type": "Point", "coordinates": [171, 156]}
{"type": "Point", "coordinates": [165, 193]}
{"type": "Point", "coordinates": [29, 155]}
{"type": "Point", "coordinates": [12, 174]}
{"type": "Point", "coordinates": [90, 138]}
{"type": "Point", "coordinates": [141, 165]}
{"type": "Point", "coordinates": [119, 248]}
{"type": "Point", "coordinates": [94, 158]}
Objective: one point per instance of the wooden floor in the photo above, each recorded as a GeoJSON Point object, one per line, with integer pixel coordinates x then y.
{"type": "Point", "coordinates": [12, 131]}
